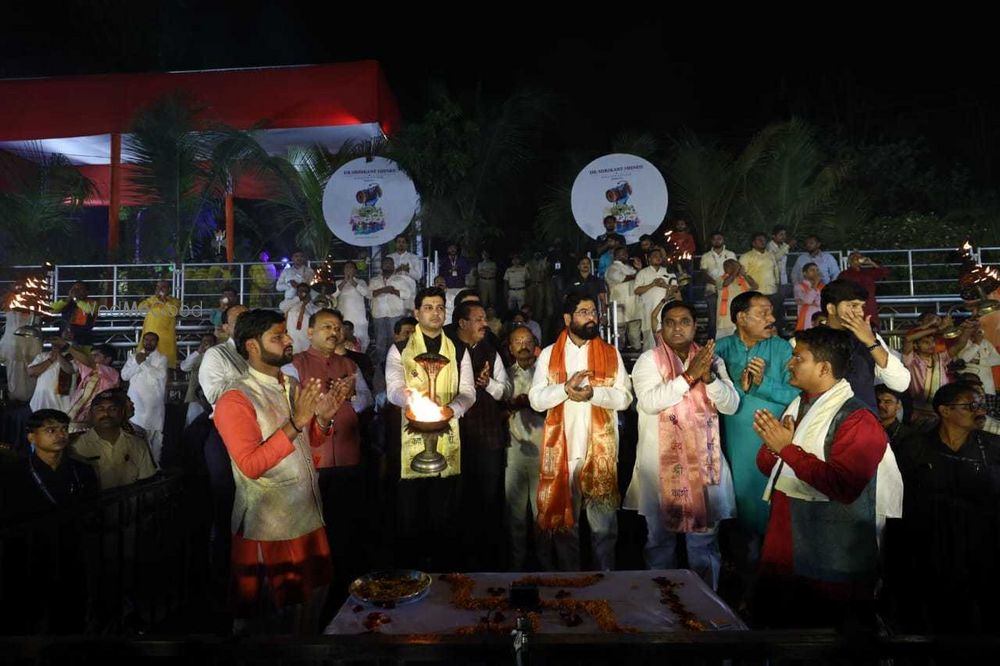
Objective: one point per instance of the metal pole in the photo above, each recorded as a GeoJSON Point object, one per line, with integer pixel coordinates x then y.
{"type": "Point", "coordinates": [114, 287]}
{"type": "Point", "coordinates": [614, 322]}
{"type": "Point", "coordinates": [242, 287]}
{"type": "Point", "coordinates": [909, 261]}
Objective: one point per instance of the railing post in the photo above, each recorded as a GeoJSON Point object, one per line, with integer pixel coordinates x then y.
{"type": "Point", "coordinates": [114, 287]}
{"type": "Point", "coordinates": [242, 287]}
{"type": "Point", "coordinates": [909, 261]}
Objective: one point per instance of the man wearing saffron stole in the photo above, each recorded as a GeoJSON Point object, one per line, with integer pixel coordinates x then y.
{"type": "Point", "coordinates": [681, 482]}
{"type": "Point", "coordinates": [427, 504]}
{"type": "Point", "coordinates": [581, 383]}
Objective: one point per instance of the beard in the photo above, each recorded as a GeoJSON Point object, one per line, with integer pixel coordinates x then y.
{"type": "Point", "coordinates": [587, 331]}
{"type": "Point", "coordinates": [276, 360]}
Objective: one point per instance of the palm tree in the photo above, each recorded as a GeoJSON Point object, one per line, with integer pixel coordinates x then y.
{"type": "Point", "coordinates": [466, 162]}
{"type": "Point", "coordinates": [795, 184]}
{"type": "Point", "coordinates": [42, 198]}
{"type": "Point", "coordinates": [170, 156]}
{"type": "Point", "coordinates": [555, 220]}
{"type": "Point", "coordinates": [298, 181]}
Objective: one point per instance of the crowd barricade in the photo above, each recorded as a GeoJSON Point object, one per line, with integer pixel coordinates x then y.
{"type": "Point", "coordinates": [133, 556]}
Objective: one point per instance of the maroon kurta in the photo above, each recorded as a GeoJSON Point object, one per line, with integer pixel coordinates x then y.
{"type": "Point", "coordinates": [867, 277]}
{"type": "Point", "coordinates": [343, 448]}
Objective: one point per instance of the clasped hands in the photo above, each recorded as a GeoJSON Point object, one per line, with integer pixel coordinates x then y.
{"type": "Point", "coordinates": [311, 400]}
{"type": "Point", "coordinates": [576, 391]}
{"type": "Point", "coordinates": [776, 434]}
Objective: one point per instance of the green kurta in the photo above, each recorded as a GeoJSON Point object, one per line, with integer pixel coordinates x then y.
{"type": "Point", "coordinates": [741, 442]}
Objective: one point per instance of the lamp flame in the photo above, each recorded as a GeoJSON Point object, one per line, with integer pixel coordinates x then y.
{"type": "Point", "coordinates": [423, 408]}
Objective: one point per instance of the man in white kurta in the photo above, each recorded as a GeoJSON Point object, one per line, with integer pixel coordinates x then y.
{"type": "Point", "coordinates": [296, 273]}
{"type": "Point", "coordinates": [351, 294]}
{"type": "Point", "coordinates": [146, 374]}
{"type": "Point", "coordinates": [681, 389]}
{"type": "Point", "coordinates": [408, 263]}
{"type": "Point", "coordinates": [45, 369]}
{"type": "Point", "coordinates": [521, 476]}
{"type": "Point", "coordinates": [16, 353]}
{"type": "Point", "coordinates": [389, 294]}
{"type": "Point", "coordinates": [297, 311]}
{"type": "Point", "coordinates": [653, 284]}
{"type": "Point", "coordinates": [620, 277]}
{"type": "Point", "coordinates": [577, 397]}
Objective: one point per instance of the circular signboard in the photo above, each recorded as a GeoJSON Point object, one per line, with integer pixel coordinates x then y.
{"type": "Point", "coordinates": [625, 186]}
{"type": "Point", "coordinates": [369, 203]}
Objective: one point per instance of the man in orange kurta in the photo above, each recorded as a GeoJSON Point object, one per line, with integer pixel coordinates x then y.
{"type": "Point", "coordinates": [270, 426]}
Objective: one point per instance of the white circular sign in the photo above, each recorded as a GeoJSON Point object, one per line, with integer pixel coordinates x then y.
{"type": "Point", "coordinates": [625, 186]}
{"type": "Point", "coordinates": [368, 203]}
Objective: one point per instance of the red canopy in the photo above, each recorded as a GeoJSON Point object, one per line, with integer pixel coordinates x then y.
{"type": "Point", "coordinates": [300, 96]}
{"type": "Point", "coordinates": [298, 105]}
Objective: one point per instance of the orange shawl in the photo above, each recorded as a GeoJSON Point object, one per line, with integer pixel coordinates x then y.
{"type": "Point", "coordinates": [724, 296]}
{"type": "Point", "coordinates": [598, 479]}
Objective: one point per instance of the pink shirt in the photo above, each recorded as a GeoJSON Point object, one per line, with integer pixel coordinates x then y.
{"type": "Point", "coordinates": [926, 377]}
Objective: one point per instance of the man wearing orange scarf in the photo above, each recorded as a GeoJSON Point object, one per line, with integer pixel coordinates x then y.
{"type": "Point", "coordinates": [580, 383]}
{"type": "Point", "coordinates": [681, 482]}
{"type": "Point", "coordinates": [734, 281]}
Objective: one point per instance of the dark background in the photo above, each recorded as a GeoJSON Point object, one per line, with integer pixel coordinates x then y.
{"type": "Point", "coordinates": [611, 67]}
{"type": "Point", "coordinates": [616, 66]}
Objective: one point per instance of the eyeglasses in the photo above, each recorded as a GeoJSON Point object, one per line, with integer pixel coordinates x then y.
{"type": "Point", "coordinates": [586, 313]}
{"type": "Point", "coordinates": [971, 406]}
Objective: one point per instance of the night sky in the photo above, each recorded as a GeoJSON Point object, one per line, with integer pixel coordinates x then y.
{"type": "Point", "coordinates": [613, 67]}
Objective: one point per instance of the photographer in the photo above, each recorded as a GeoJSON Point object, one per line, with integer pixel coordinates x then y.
{"type": "Point", "coordinates": [866, 272]}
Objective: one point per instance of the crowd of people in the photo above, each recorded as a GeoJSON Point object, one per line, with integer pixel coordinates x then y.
{"type": "Point", "coordinates": [816, 460]}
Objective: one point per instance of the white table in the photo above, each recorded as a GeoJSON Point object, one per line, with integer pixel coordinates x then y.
{"type": "Point", "coordinates": [633, 596]}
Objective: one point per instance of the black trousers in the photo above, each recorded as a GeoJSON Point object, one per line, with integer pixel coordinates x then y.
{"type": "Point", "coordinates": [220, 475]}
{"type": "Point", "coordinates": [345, 512]}
{"type": "Point", "coordinates": [482, 512]}
{"type": "Point", "coordinates": [426, 524]}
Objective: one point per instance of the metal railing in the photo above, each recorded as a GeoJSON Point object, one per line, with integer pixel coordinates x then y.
{"type": "Point", "coordinates": [922, 279]}
{"type": "Point", "coordinates": [120, 288]}
{"type": "Point", "coordinates": [135, 551]}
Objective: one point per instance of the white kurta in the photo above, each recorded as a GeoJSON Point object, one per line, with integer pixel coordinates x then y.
{"type": "Point", "coordinates": [395, 383]}
{"type": "Point", "coordinates": [221, 366]}
{"type": "Point", "coordinates": [653, 396]}
{"type": "Point", "coordinates": [147, 387]}
{"type": "Point", "coordinates": [621, 291]}
{"type": "Point", "coordinates": [351, 303]}
{"type": "Point", "coordinates": [297, 313]}
{"type": "Point", "coordinates": [576, 415]}
{"type": "Point", "coordinates": [980, 359]}
{"type": "Point", "coordinates": [415, 265]}
{"type": "Point", "coordinates": [649, 299]}
{"type": "Point", "coordinates": [44, 396]}
{"type": "Point", "coordinates": [390, 305]}
{"type": "Point", "coordinates": [16, 353]}
{"type": "Point", "coordinates": [526, 426]}
{"type": "Point", "coordinates": [292, 274]}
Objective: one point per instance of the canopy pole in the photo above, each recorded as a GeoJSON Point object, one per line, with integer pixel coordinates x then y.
{"type": "Point", "coordinates": [114, 196]}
